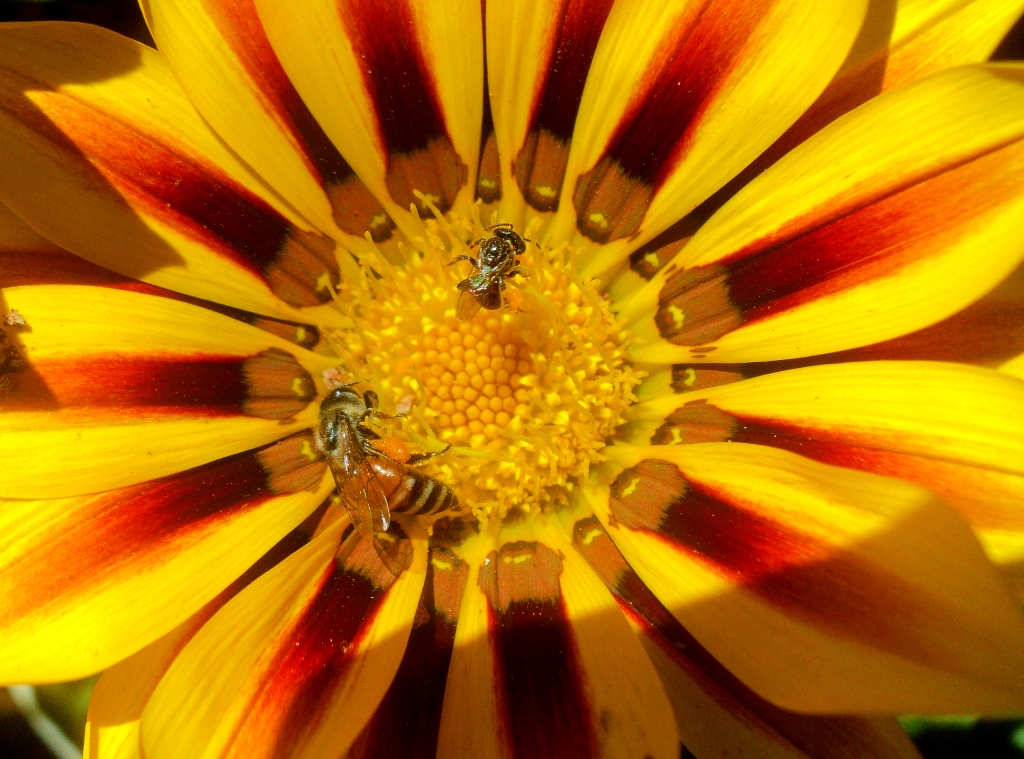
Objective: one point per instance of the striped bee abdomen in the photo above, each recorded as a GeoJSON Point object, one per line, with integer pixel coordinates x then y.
{"type": "Point", "coordinates": [410, 492]}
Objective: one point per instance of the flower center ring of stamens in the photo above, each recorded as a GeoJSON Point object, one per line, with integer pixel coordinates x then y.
{"type": "Point", "coordinates": [525, 395]}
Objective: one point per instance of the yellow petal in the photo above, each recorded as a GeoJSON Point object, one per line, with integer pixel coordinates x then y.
{"type": "Point", "coordinates": [295, 664]}
{"type": "Point", "coordinates": [544, 662]}
{"type": "Point", "coordinates": [869, 230]}
{"type": "Point", "coordinates": [396, 86]}
{"type": "Point", "coordinates": [121, 693]}
{"type": "Point", "coordinates": [822, 589]}
{"type": "Point", "coordinates": [89, 580]}
{"type": "Point", "coordinates": [898, 43]}
{"type": "Point", "coordinates": [470, 721]}
{"type": "Point", "coordinates": [715, 712]}
{"type": "Point", "coordinates": [126, 174]}
{"type": "Point", "coordinates": [222, 57]}
{"type": "Point", "coordinates": [121, 387]}
{"type": "Point", "coordinates": [679, 98]}
{"type": "Point", "coordinates": [951, 428]}
{"type": "Point", "coordinates": [408, 718]}
{"type": "Point", "coordinates": [28, 258]}
{"type": "Point", "coordinates": [538, 56]}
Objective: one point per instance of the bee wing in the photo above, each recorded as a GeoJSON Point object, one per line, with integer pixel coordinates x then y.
{"type": "Point", "coordinates": [358, 487]}
{"type": "Point", "coordinates": [390, 547]}
{"type": "Point", "coordinates": [467, 306]}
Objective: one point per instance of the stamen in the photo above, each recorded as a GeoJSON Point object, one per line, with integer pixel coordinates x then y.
{"type": "Point", "coordinates": [526, 395]}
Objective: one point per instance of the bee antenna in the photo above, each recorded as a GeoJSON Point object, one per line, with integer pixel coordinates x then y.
{"type": "Point", "coordinates": [501, 224]}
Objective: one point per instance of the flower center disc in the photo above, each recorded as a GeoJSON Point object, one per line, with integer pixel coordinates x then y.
{"type": "Point", "coordinates": [525, 395]}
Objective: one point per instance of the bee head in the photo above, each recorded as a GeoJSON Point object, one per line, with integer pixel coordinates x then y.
{"type": "Point", "coordinates": [342, 402]}
{"type": "Point", "coordinates": [509, 236]}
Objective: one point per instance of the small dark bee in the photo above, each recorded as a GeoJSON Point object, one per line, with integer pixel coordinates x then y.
{"type": "Point", "coordinates": [370, 484]}
{"type": "Point", "coordinates": [496, 261]}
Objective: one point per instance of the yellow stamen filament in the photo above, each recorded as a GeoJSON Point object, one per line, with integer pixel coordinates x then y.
{"type": "Point", "coordinates": [525, 395]}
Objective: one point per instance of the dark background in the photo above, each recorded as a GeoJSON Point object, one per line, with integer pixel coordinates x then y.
{"type": "Point", "coordinates": [937, 739]}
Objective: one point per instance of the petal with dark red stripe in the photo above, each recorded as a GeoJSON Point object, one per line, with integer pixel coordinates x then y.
{"type": "Point", "coordinates": [116, 388]}
{"type": "Point", "coordinates": [143, 185]}
{"type": "Point", "coordinates": [989, 333]}
{"type": "Point", "coordinates": [898, 43]}
{"type": "Point", "coordinates": [407, 721]}
{"type": "Point", "coordinates": [539, 54]}
{"type": "Point", "coordinates": [822, 589]}
{"type": "Point", "coordinates": [489, 181]}
{"type": "Point", "coordinates": [822, 251]}
{"type": "Point", "coordinates": [545, 664]}
{"type": "Point", "coordinates": [679, 98]}
{"type": "Point", "coordinates": [27, 258]}
{"type": "Point", "coordinates": [397, 87]}
{"type": "Point", "coordinates": [121, 693]}
{"type": "Point", "coordinates": [293, 666]}
{"type": "Point", "coordinates": [951, 428]}
{"type": "Point", "coordinates": [222, 57]}
{"type": "Point", "coordinates": [91, 579]}
{"type": "Point", "coordinates": [714, 711]}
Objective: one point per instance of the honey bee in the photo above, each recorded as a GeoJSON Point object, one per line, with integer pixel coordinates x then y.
{"type": "Point", "coordinates": [370, 484]}
{"type": "Point", "coordinates": [496, 261]}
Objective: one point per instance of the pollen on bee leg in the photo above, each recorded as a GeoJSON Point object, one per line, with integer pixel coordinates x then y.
{"type": "Point", "coordinates": [393, 448]}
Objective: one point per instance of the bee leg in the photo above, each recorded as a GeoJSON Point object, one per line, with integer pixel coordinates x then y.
{"type": "Point", "coordinates": [514, 272]}
{"type": "Point", "coordinates": [372, 401]}
{"type": "Point", "coordinates": [464, 258]}
{"type": "Point", "coordinates": [381, 414]}
{"type": "Point", "coordinates": [419, 458]}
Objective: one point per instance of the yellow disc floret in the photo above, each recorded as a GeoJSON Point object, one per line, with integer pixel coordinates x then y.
{"type": "Point", "coordinates": [526, 395]}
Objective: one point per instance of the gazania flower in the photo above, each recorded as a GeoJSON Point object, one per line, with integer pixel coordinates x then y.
{"type": "Point", "coordinates": [718, 454]}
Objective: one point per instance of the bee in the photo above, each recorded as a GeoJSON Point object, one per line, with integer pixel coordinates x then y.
{"type": "Point", "coordinates": [496, 261]}
{"type": "Point", "coordinates": [370, 484]}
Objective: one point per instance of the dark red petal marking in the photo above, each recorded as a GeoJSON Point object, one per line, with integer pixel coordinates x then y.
{"type": "Point", "coordinates": [270, 385]}
{"type": "Point", "coordinates": [407, 722]}
{"type": "Point", "coordinates": [649, 259]}
{"type": "Point", "coordinates": [688, 378]}
{"type": "Point", "coordinates": [800, 574]}
{"type": "Point", "coordinates": [544, 709]}
{"type": "Point", "coordinates": [315, 652]}
{"type": "Point", "coordinates": [356, 211]}
{"type": "Point", "coordinates": [58, 267]}
{"type": "Point", "coordinates": [401, 85]}
{"type": "Point", "coordinates": [695, 422]}
{"type": "Point", "coordinates": [539, 167]}
{"type": "Point", "coordinates": [644, 608]}
{"type": "Point", "coordinates": [657, 128]}
{"type": "Point", "coordinates": [135, 528]}
{"type": "Point", "coordinates": [171, 183]}
{"type": "Point", "coordinates": [869, 243]}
